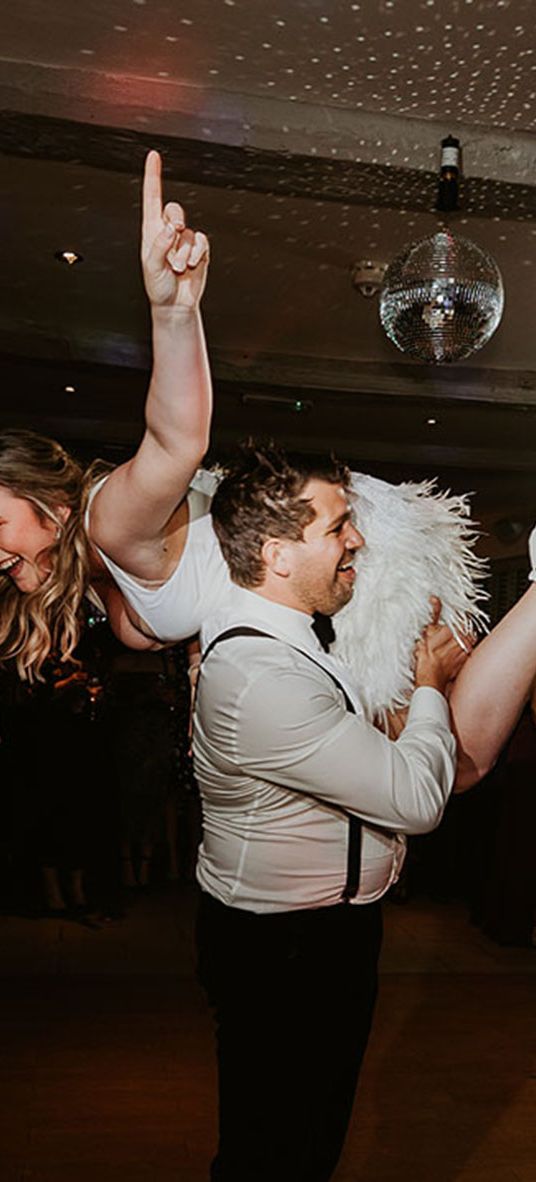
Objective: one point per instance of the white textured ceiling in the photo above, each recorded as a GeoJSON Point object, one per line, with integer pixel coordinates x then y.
{"type": "Point", "coordinates": [469, 60]}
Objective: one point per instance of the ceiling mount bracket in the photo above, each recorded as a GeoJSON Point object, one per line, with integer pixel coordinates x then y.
{"type": "Point", "coordinates": [367, 276]}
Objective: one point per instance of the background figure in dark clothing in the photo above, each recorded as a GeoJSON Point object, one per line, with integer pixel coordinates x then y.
{"type": "Point", "coordinates": [506, 909]}
{"type": "Point", "coordinates": [61, 783]}
{"type": "Point", "coordinates": [154, 766]}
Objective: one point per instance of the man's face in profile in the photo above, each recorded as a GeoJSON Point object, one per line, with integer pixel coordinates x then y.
{"type": "Point", "coordinates": [322, 563]}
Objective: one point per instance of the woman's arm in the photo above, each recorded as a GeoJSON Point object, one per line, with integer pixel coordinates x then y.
{"type": "Point", "coordinates": [491, 690]}
{"type": "Point", "coordinates": [136, 516]}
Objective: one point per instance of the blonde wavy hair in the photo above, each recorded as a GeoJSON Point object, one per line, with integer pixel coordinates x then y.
{"type": "Point", "coordinates": [46, 621]}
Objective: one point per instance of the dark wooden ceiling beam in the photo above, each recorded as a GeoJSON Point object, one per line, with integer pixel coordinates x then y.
{"type": "Point", "coordinates": [255, 170]}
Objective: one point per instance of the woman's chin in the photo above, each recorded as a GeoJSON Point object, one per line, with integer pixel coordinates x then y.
{"type": "Point", "coordinates": [26, 579]}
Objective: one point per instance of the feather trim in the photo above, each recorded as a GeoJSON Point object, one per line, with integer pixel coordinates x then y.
{"type": "Point", "coordinates": [418, 542]}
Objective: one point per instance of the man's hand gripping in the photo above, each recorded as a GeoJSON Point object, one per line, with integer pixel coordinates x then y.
{"type": "Point", "coordinates": [439, 656]}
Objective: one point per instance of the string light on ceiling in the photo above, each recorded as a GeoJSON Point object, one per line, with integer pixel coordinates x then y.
{"type": "Point", "coordinates": [442, 297]}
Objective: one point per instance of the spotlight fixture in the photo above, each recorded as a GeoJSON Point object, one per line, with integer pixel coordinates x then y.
{"type": "Point", "coordinates": [70, 257]}
{"type": "Point", "coordinates": [449, 171]}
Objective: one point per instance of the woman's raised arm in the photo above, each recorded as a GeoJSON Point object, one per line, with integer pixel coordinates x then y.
{"type": "Point", "coordinates": [136, 516]}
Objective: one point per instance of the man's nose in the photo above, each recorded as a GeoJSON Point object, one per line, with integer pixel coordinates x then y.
{"type": "Point", "coordinates": [354, 539]}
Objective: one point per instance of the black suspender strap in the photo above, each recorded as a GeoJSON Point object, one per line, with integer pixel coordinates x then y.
{"type": "Point", "coordinates": [353, 866]}
{"type": "Point", "coordinates": [353, 861]}
{"type": "Point", "coordinates": [228, 635]}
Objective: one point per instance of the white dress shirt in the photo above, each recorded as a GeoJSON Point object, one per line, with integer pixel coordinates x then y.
{"type": "Point", "coordinates": [278, 756]}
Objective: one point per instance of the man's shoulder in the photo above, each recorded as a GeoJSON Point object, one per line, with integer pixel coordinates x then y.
{"type": "Point", "coordinates": [255, 658]}
{"type": "Point", "coordinates": [251, 644]}
{"type": "Point", "coordinates": [266, 694]}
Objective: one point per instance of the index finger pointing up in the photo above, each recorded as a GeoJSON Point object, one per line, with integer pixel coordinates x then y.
{"type": "Point", "coordinates": [152, 196]}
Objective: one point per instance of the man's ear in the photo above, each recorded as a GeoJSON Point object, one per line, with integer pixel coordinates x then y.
{"type": "Point", "coordinates": [276, 557]}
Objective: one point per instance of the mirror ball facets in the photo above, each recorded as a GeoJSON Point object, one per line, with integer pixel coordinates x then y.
{"type": "Point", "coordinates": [442, 298]}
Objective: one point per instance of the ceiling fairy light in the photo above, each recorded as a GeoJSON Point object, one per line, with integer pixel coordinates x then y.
{"type": "Point", "coordinates": [442, 297]}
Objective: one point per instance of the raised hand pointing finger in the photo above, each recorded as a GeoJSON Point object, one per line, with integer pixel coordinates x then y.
{"type": "Point", "coordinates": [174, 258]}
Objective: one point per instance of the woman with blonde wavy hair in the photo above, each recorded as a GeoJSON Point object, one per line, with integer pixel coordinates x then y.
{"type": "Point", "coordinates": [43, 491]}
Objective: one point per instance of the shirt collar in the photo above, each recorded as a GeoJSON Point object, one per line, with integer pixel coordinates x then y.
{"type": "Point", "coordinates": [249, 608]}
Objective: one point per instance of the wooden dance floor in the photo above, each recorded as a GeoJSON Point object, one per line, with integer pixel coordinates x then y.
{"type": "Point", "coordinates": [107, 1073]}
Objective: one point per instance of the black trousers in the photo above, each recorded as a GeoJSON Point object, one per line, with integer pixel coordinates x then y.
{"type": "Point", "coordinates": [293, 996]}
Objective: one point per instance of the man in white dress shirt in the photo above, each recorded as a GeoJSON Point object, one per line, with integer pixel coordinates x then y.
{"type": "Point", "coordinates": [304, 805]}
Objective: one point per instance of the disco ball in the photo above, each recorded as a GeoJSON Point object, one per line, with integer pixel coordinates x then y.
{"type": "Point", "coordinates": [442, 298]}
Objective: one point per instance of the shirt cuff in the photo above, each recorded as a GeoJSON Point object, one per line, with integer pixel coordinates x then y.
{"type": "Point", "coordinates": [428, 703]}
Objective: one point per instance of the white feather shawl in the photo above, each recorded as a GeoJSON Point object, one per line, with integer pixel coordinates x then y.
{"type": "Point", "coordinates": [418, 543]}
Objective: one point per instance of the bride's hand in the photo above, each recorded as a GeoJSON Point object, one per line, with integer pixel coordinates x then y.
{"type": "Point", "coordinates": [174, 258]}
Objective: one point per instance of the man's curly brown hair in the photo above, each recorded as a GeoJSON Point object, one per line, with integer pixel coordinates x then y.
{"type": "Point", "coordinates": [260, 497]}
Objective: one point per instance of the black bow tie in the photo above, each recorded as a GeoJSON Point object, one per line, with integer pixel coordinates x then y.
{"type": "Point", "coordinates": [323, 630]}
